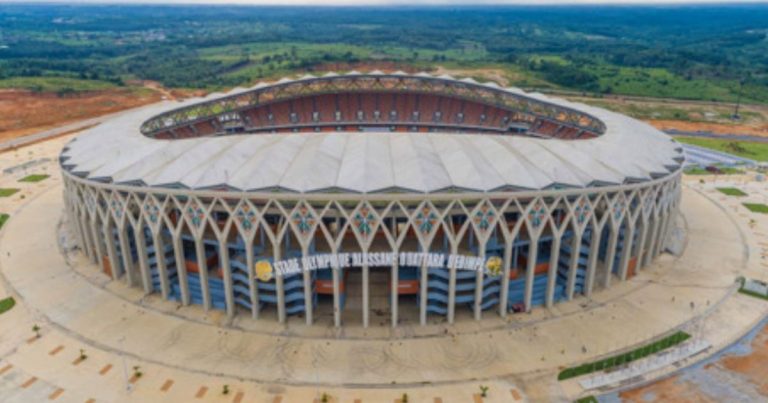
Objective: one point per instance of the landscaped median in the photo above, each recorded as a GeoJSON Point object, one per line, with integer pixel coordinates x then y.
{"type": "Point", "coordinates": [732, 192]}
{"type": "Point", "coordinates": [6, 304]}
{"type": "Point", "coordinates": [756, 207]}
{"type": "Point", "coordinates": [3, 219]}
{"type": "Point", "coordinates": [7, 192]}
{"type": "Point", "coordinates": [34, 178]}
{"type": "Point", "coordinates": [624, 358]}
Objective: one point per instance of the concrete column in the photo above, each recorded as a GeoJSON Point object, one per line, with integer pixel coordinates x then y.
{"type": "Point", "coordinates": [610, 255]}
{"type": "Point", "coordinates": [226, 269]}
{"type": "Point", "coordinates": [253, 286]}
{"type": "Point", "coordinates": [202, 264]}
{"type": "Point", "coordinates": [181, 267]}
{"type": "Point", "coordinates": [663, 232]}
{"type": "Point", "coordinates": [366, 296]}
{"type": "Point", "coordinates": [125, 251]}
{"type": "Point", "coordinates": [505, 279]}
{"type": "Point", "coordinates": [533, 252]}
{"type": "Point", "coordinates": [162, 269]}
{"type": "Point", "coordinates": [308, 300]}
{"type": "Point", "coordinates": [452, 288]}
{"type": "Point", "coordinates": [573, 264]}
{"type": "Point", "coordinates": [279, 286]}
{"type": "Point", "coordinates": [141, 256]}
{"type": "Point", "coordinates": [88, 246]}
{"type": "Point", "coordinates": [554, 258]}
{"type": "Point", "coordinates": [111, 250]}
{"type": "Point", "coordinates": [648, 253]}
{"type": "Point", "coordinates": [594, 248]}
{"type": "Point", "coordinates": [641, 244]}
{"type": "Point", "coordinates": [626, 250]}
{"type": "Point", "coordinates": [395, 289]}
{"type": "Point", "coordinates": [423, 294]}
{"type": "Point", "coordinates": [479, 277]}
{"type": "Point", "coordinates": [97, 242]}
{"type": "Point", "coordinates": [336, 273]}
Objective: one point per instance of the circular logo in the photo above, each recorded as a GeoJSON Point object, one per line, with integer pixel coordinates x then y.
{"type": "Point", "coordinates": [263, 270]}
{"type": "Point", "coordinates": [493, 265]}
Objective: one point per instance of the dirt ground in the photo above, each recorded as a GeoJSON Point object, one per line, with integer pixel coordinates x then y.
{"type": "Point", "coordinates": [24, 112]}
{"type": "Point", "coordinates": [718, 128]}
{"type": "Point", "coordinates": [741, 375]}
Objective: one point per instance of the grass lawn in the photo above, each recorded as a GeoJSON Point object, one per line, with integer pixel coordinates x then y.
{"type": "Point", "coordinates": [723, 171]}
{"type": "Point", "coordinates": [745, 149]}
{"type": "Point", "coordinates": [8, 192]}
{"type": "Point", "coordinates": [3, 219]}
{"type": "Point", "coordinates": [34, 178]}
{"type": "Point", "coordinates": [54, 84]}
{"type": "Point", "coordinates": [624, 358]}
{"type": "Point", "coordinates": [756, 207]}
{"type": "Point", "coordinates": [7, 304]}
{"type": "Point", "coordinates": [732, 192]}
{"type": "Point", "coordinates": [588, 399]}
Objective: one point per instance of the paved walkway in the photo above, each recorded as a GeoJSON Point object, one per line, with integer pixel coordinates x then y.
{"type": "Point", "coordinates": [185, 353]}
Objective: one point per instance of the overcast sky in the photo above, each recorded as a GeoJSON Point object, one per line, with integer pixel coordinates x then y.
{"type": "Point", "coordinates": [386, 2]}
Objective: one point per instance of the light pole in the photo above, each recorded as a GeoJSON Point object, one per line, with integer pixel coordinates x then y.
{"type": "Point", "coordinates": [128, 387]}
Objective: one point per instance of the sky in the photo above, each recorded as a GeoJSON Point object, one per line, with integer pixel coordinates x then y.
{"type": "Point", "coordinates": [387, 2]}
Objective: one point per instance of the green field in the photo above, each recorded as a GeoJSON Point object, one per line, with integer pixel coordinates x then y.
{"type": "Point", "coordinates": [746, 149]}
{"type": "Point", "coordinates": [34, 178]}
{"type": "Point", "coordinates": [54, 84]}
{"type": "Point", "coordinates": [624, 358]}
{"type": "Point", "coordinates": [732, 192]}
{"type": "Point", "coordinates": [756, 207]}
{"type": "Point", "coordinates": [7, 192]}
{"type": "Point", "coordinates": [3, 219]}
{"type": "Point", "coordinates": [723, 171]}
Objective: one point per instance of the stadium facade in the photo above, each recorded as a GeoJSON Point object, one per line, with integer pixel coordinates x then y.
{"type": "Point", "coordinates": [320, 195]}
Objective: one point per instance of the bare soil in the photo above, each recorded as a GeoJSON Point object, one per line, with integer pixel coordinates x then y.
{"type": "Point", "coordinates": [24, 112]}
{"type": "Point", "coordinates": [717, 128]}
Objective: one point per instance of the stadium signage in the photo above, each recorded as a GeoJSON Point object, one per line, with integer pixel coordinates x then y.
{"type": "Point", "coordinates": [266, 270]}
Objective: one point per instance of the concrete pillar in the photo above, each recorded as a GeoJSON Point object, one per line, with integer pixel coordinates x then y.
{"type": "Point", "coordinates": [202, 265]}
{"type": "Point", "coordinates": [111, 250]}
{"type": "Point", "coordinates": [181, 267]}
{"type": "Point", "coordinates": [162, 268]}
{"type": "Point", "coordinates": [573, 264]}
{"type": "Point", "coordinates": [253, 286]}
{"type": "Point", "coordinates": [594, 248]}
{"type": "Point", "coordinates": [641, 241]}
{"type": "Point", "coordinates": [423, 294]}
{"type": "Point", "coordinates": [97, 241]}
{"type": "Point", "coordinates": [366, 296]}
{"type": "Point", "coordinates": [479, 277]}
{"type": "Point", "coordinates": [626, 250]}
{"type": "Point", "coordinates": [610, 255]}
{"type": "Point", "coordinates": [226, 269]}
{"type": "Point", "coordinates": [336, 273]}
{"type": "Point", "coordinates": [125, 252]}
{"type": "Point", "coordinates": [533, 252]}
{"type": "Point", "coordinates": [307, 278]}
{"type": "Point", "coordinates": [505, 278]}
{"type": "Point", "coordinates": [279, 285]}
{"type": "Point", "coordinates": [395, 289]}
{"type": "Point", "coordinates": [648, 253]}
{"type": "Point", "coordinates": [452, 288]}
{"type": "Point", "coordinates": [141, 256]}
{"type": "Point", "coordinates": [554, 258]}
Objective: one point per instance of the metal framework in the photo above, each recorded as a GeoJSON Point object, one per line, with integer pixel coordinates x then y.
{"type": "Point", "coordinates": [228, 107]}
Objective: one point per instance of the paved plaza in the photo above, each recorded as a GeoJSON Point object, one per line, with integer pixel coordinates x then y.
{"type": "Point", "coordinates": [187, 354]}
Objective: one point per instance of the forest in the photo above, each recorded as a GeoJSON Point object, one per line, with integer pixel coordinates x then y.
{"type": "Point", "coordinates": [693, 52]}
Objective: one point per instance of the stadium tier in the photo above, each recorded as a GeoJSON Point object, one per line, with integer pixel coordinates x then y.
{"type": "Point", "coordinates": [409, 195]}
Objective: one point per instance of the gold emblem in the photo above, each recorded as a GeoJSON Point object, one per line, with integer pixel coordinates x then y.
{"type": "Point", "coordinates": [493, 266]}
{"type": "Point", "coordinates": [263, 270]}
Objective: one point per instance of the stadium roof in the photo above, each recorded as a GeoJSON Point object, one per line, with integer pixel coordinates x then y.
{"type": "Point", "coordinates": [370, 162]}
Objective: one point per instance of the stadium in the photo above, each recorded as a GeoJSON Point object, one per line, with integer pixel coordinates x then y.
{"type": "Point", "coordinates": [337, 198]}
